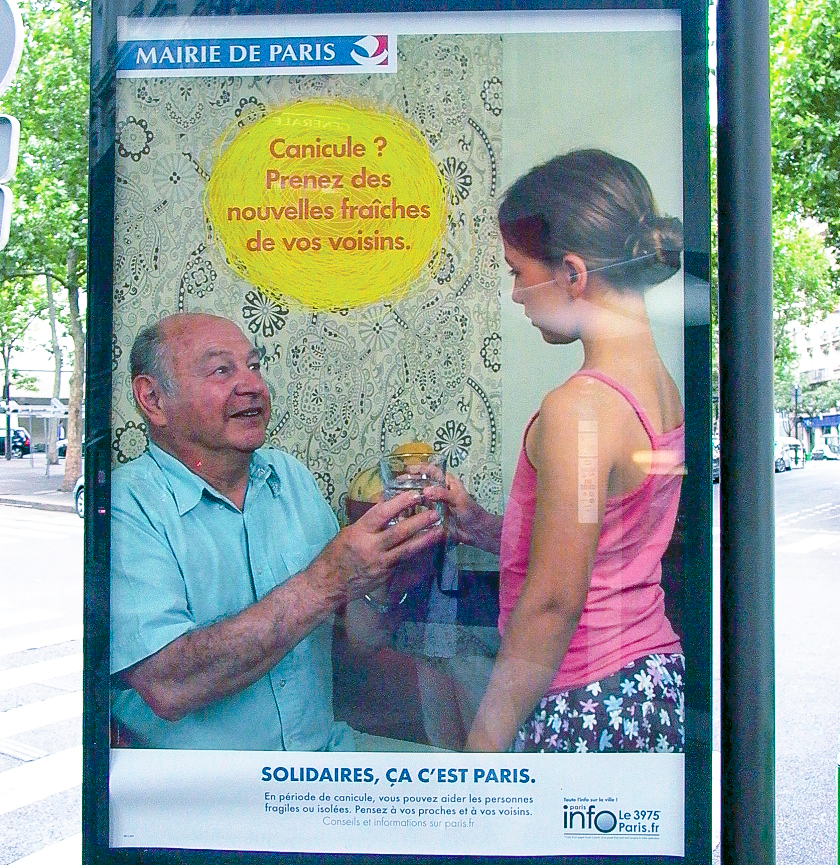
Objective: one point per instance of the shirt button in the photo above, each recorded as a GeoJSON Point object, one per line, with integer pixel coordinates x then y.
{"type": "Point", "coordinates": [281, 683]}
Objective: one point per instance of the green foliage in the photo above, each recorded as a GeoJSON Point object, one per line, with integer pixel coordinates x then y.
{"type": "Point", "coordinates": [49, 96]}
{"type": "Point", "coordinates": [784, 382]}
{"type": "Point", "coordinates": [804, 288]}
{"type": "Point", "coordinates": [20, 304]}
{"type": "Point", "coordinates": [805, 107]}
{"type": "Point", "coordinates": [23, 382]}
{"type": "Point", "coordinates": [819, 399]}
{"type": "Point", "coordinates": [805, 117]}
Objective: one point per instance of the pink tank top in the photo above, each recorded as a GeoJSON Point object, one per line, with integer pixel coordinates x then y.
{"type": "Point", "coordinates": [623, 618]}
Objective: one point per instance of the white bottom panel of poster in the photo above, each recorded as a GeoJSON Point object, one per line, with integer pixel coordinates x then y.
{"type": "Point", "coordinates": [435, 803]}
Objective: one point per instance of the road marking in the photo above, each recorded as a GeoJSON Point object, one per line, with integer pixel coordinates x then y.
{"type": "Point", "coordinates": [68, 850]}
{"type": "Point", "coordinates": [20, 751]}
{"type": "Point", "coordinates": [21, 519]}
{"type": "Point", "coordinates": [39, 639]}
{"type": "Point", "coordinates": [32, 782]}
{"type": "Point", "coordinates": [20, 536]}
{"type": "Point", "coordinates": [808, 513]}
{"type": "Point", "coordinates": [809, 544]}
{"type": "Point", "coordinates": [27, 617]}
{"type": "Point", "coordinates": [31, 516]}
{"type": "Point", "coordinates": [33, 715]}
{"type": "Point", "coordinates": [43, 671]}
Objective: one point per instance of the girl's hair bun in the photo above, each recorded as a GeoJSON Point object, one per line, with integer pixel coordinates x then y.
{"type": "Point", "coordinates": [653, 250]}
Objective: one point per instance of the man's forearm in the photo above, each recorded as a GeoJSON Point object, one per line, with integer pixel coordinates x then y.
{"type": "Point", "coordinates": [213, 662]}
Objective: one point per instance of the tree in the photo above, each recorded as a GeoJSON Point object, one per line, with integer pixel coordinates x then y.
{"type": "Point", "coordinates": [805, 108]}
{"type": "Point", "coordinates": [50, 96]}
{"type": "Point", "coordinates": [20, 305]}
{"type": "Point", "coordinates": [812, 400]}
{"type": "Point", "coordinates": [804, 285]}
{"type": "Point", "coordinates": [805, 281]}
{"type": "Point", "coordinates": [819, 399]}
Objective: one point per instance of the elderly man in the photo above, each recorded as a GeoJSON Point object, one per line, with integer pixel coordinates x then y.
{"type": "Point", "coordinates": [227, 564]}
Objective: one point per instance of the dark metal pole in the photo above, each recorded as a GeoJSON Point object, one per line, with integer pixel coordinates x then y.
{"type": "Point", "coordinates": [746, 389]}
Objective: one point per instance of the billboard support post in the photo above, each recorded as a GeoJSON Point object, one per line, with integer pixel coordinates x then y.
{"type": "Point", "coordinates": [746, 355]}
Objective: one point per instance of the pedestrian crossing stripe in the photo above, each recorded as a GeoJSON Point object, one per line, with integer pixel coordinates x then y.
{"type": "Point", "coordinates": [31, 782]}
{"type": "Point", "coordinates": [60, 853]}
{"type": "Point", "coordinates": [41, 672]}
{"type": "Point", "coordinates": [27, 617]}
{"type": "Point", "coordinates": [31, 716]}
{"type": "Point", "coordinates": [810, 543]}
{"type": "Point", "coordinates": [39, 639]}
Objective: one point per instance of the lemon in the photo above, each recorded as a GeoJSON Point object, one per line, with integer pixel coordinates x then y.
{"type": "Point", "coordinates": [413, 451]}
{"type": "Point", "coordinates": [366, 486]}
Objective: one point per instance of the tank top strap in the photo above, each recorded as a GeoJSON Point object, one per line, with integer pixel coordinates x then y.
{"type": "Point", "coordinates": [631, 399]}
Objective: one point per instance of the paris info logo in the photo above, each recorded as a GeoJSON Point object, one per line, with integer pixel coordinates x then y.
{"type": "Point", "coordinates": [591, 818]}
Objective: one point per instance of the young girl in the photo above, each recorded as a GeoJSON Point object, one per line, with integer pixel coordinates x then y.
{"type": "Point", "coordinates": [588, 659]}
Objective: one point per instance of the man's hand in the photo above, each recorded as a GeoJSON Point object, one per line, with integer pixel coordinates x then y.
{"type": "Point", "coordinates": [362, 556]}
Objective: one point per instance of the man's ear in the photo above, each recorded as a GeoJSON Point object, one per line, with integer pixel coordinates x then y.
{"type": "Point", "coordinates": [148, 395]}
{"type": "Point", "coordinates": [573, 270]}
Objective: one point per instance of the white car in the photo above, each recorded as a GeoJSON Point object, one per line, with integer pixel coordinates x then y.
{"type": "Point", "coordinates": [823, 452]}
{"type": "Point", "coordinates": [781, 457]}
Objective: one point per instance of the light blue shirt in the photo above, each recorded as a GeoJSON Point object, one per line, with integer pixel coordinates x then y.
{"type": "Point", "coordinates": [183, 556]}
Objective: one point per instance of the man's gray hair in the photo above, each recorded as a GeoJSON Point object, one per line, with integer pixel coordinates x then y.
{"type": "Point", "coordinates": [150, 356]}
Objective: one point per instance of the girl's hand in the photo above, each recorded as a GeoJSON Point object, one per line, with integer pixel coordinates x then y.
{"type": "Point", "coordinates": [467, 521]}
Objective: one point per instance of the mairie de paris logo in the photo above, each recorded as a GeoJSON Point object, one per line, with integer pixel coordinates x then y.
{"type": "Point", "coordinates": [370, 51]}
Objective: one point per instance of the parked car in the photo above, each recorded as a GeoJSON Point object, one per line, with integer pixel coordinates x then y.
{"type": "Point", "coordinates": [61, 447]}
{"type": "Point", "coordinates": [795, 448]}
{"type": "Point", "coordinates": [21, 441]}
{"type": "Point", "coordinates": [781, 457]}
{"type": "Point", "coordinates": [823, 452]}
{"type": "Point", "coordinates": [79, 496]}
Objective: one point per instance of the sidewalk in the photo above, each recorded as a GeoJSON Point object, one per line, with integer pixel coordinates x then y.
{"type": "Point", "coordinates": [24, 482]}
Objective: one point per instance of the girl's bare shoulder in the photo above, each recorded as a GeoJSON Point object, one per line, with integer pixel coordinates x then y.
{"type": "Point", "coordinates": [579, 395]}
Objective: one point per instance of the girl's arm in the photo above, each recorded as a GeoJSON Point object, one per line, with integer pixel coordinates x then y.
{"type": "Point", "coordinates": [573, 455]}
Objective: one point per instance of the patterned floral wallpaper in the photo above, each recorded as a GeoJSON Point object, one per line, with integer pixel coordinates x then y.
{"type": "Point", "coordinates": [346, 385]}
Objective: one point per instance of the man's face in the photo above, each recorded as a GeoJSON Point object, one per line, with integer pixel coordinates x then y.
{"type": "Point", "coordinates": [220, 402]}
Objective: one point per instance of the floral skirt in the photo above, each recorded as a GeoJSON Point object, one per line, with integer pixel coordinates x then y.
{"type": "Point", "coordinates": [639, 708]}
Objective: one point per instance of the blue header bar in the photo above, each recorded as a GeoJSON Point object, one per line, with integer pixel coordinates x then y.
{"type": "Point", "coordinates": [254, 56]}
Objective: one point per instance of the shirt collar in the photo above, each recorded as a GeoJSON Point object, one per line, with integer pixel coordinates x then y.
{"type": "Point", "coordinates": [188, 488]}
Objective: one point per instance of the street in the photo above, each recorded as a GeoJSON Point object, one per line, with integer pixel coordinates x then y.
{"type": "Point", "coordinates": [807, 671]}
{"type": "Point", "coordinates": [40, 675]}
{"type": "Point", "coordinates": [40, 684]}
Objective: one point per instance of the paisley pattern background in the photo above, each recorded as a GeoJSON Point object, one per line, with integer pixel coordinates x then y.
{"type": "Point", "coordinates": [346, 385]}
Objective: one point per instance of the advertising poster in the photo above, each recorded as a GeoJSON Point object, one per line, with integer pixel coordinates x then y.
{"type": "Point", "coordinates": [328, 188]}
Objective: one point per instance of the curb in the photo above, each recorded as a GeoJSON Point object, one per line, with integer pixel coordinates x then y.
{"type": "Point", "coordinates": [37, 504]}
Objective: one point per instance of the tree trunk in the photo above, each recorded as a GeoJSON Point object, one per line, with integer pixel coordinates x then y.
{"type": "Point", "coordinates": [7, 418]}
{"type": "Point", "coordinates": [75, 429]}
{"type": "Point", "coordinates": [52, 450]}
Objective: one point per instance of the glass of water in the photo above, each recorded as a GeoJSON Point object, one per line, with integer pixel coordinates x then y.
{"type": "Point", "coordinates": [406, 470]}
